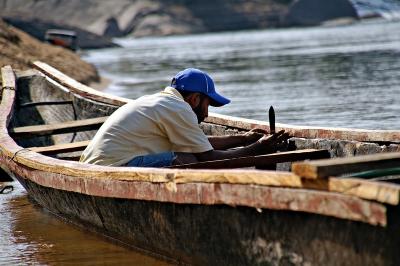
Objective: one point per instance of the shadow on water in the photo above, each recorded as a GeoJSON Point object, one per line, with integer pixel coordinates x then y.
{"type": "Point", "coordinates": [30, 235]}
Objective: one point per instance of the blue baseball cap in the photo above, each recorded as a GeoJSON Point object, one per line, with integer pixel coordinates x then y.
{"type": "Point", "coordinates": [195, 80]}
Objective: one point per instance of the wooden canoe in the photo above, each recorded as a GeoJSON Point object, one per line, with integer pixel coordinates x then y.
{"type": "Point", "coordinates": [240, 216]}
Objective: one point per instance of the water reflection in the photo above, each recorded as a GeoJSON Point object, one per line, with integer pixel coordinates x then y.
{"type": "Point", "coordinates": [31, 236]}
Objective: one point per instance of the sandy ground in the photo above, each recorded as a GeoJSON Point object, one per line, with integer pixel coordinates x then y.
{"type": "Point", "coordinates": [19, 49]}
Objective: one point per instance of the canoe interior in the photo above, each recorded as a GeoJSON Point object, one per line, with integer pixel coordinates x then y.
{"type": "Point", "coordinates": [36, 88]}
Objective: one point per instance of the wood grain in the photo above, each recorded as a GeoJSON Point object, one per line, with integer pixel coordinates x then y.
{"type": "Point", "coordinates": [60, 128]}
{"type": "Point", "coordinates": [61, 148]}
{"type": "Point", "coordinates": [347, 165]}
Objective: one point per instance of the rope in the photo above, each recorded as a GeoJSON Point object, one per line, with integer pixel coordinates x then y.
{"type": "Point", "coordinates": [9, 88]}
{"type": "Point", "coordinates": [6, 189]}
{"type": "Point", "coordinates": [16, 153]}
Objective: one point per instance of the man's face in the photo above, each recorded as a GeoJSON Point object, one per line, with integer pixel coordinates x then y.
{"type": "Point", "coordinates": [201, 110]}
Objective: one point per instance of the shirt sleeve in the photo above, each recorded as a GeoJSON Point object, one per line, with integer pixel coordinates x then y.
{"type": "Point", "coordinates": [184, 132]}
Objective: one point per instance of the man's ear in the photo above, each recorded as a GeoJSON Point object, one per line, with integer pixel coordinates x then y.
{"type": "Point", "coordinates": [193, 99]}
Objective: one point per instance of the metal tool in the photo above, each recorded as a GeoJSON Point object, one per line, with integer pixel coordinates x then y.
{"type": "Point", "coordinates": [271, 114]}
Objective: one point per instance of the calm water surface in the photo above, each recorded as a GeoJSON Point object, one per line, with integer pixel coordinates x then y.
{"type": "Point", "coordinates": [31, 236]}
{"type": "Point", "coordinates": [345, 76]}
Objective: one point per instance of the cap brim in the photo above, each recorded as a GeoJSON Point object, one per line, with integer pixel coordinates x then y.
{"type": "Point", "coordinates": [218, 100]}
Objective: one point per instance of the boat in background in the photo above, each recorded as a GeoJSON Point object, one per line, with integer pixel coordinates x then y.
{"type": "Point", "coordinates": [64, 38]}
{"type": "Point", "coordinates": [204, 216]}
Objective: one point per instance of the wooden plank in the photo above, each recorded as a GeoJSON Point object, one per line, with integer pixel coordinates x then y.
{"type": "Point", "coordinates": [340, 166]}
{"type": "Point", "coordinates": [7, 94]}
{"type": "Point", "coordinates": [75, 158]}
{"type": "Point", "coordinates": [259, 161]}
{"type": "Point", "coordinates": [392, 136]}
{"type": "Point", "coordinates": [77, 87]}
{"type": "Point", "coordinates": [64, 127]}
{"type": "Point", "coordinates": [61, 148]}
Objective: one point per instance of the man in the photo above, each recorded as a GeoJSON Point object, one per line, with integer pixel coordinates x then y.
{"type": "Point", "coordinates": [163, 129]}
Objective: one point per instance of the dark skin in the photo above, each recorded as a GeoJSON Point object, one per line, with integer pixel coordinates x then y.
{"type": "Point", "coordinates": [254, 142]}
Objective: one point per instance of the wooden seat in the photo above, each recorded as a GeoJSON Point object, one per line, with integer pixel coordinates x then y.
{"type": "Point", "coordinates": [60, 128]}
{"type": "Point", "coordinates": [347, 165]}
{"type": "Point", "coordinates": [61, 148]}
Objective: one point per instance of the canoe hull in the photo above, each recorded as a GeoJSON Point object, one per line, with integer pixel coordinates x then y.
{"type": "Point", "coordinates": [228, 235]}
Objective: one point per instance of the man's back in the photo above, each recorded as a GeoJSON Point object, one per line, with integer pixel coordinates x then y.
{"type": "Point", "coordinates": [149, 125]}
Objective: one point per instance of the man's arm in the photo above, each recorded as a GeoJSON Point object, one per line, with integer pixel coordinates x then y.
{"type": "Point", "coordinates": [265, 145]}
{"type": "Point", "coordinates": [228, 142]}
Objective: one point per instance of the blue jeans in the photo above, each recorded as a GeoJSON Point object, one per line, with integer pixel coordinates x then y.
{"type": "Point", "coordinates": [153, 160]}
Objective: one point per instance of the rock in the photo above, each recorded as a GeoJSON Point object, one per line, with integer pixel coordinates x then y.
{"type": "Point", "coordinates": [315, 12]}
{"type": "Point", "coordinates": [112, 28]}
{"type": "Point", "coordinates": [19, 49]}
{"type": "Point", "coordinates": [150, 17]}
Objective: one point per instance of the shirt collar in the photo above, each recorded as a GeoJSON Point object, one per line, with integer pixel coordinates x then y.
{"type": "Point", "coordinates": [172, 91]}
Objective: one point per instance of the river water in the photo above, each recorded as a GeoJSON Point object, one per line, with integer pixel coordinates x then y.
{"type": "Point", "coordinates": [31, 236]}
{"type": "Point", "coordinates": [346, 76]}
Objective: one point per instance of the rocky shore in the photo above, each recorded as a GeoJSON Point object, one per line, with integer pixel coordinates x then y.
{"type": "Point", "coordinates": [149, 17]}
{"type": "Point", "coordinates": [167, 17]}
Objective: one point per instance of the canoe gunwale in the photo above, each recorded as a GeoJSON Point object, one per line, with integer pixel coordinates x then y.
{"type": "Point", "coordinates": [364, 135]}
{"type": "Point", "coordinates": [190, 186]}
{"type": "Point", "coordinates": [255, 196]}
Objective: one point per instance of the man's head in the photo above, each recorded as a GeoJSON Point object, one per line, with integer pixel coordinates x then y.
{"type": "Point", "coordinates": [198, 89]}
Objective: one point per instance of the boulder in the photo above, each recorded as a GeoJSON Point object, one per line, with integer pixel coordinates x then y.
{"type": "Point", "coordinates": [149, 17]}
{"type": "Point", "coordinates": [315, 12]}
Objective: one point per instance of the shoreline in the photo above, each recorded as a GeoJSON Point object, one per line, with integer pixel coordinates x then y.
{"type": "Point", "coordinates": [101, 85]}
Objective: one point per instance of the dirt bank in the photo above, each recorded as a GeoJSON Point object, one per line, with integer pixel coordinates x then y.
{"type": "Point", "coordinates": [19, 49]}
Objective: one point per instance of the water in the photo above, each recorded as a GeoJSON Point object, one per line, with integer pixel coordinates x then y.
{"type": "Point", "coordinates": [31, 236]}
{"type": "Point", "coordinates": [389, 9]}
{"type": "Point", "coordinates": [324, 76]}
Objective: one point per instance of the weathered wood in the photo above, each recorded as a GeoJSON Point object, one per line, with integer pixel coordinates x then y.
{"type": "Point", "coordinates": [340, 166]}
{"type": "Point", "coordinates": [390, 136]}
{"type": "Point", "coordinates": [258, 161]}
{"type": "Point", "coordinates": [312, 201]}
{"type": "Point", "coordinates": [77, 87]}
{"type": "Point", "coordinates": [228, 235]}
{"type": "Point", "coordinates": [7, 95]}
{"type": "Point", "coordinates": [64, 127]}
{"type": "Point", "coordinates": [70, 157]}
{"type": "Point", "coordinates": [61, 148]}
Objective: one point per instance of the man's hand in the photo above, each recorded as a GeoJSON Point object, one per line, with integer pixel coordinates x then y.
{"type": "Point", "coordinates": [272, 143]}
{"type": "Point", "coordinates": [253, 135]}
{"type": "Point", "coordinates": [263, 145]}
